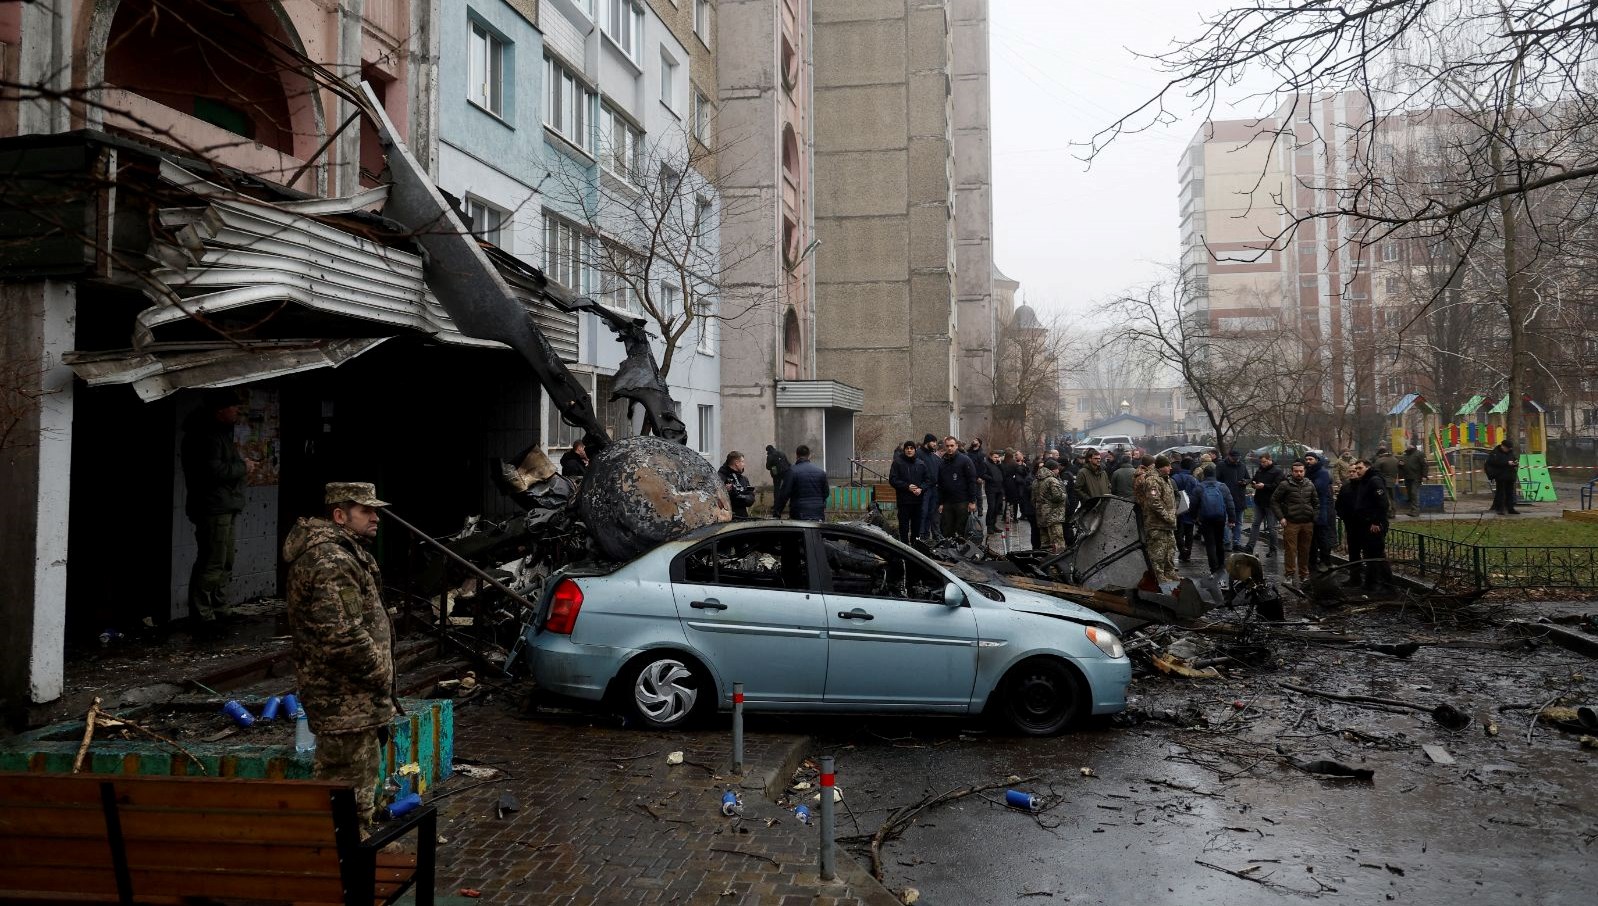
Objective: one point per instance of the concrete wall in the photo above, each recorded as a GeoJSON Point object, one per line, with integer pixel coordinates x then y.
{"type": "Point", "coordinates": [885, 304]}
{"type": "Point", "coordinates": [37, 326]}
{"type": "Point", "coordinates": [973, 172]}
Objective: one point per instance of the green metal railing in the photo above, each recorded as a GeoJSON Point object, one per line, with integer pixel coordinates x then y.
{"type": "Point", "coordinates": [1492, 566]}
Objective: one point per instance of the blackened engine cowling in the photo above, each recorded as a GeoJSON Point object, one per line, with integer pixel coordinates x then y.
{"type": "Point", "coordinates": [641, 491]}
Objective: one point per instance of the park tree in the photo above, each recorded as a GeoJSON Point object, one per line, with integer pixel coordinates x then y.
{"type": "Point", "coordinates": [1508, 80]}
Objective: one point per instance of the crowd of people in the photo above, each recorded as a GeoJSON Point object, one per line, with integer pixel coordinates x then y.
{"type": "Point", "coordinates": [947, 488]}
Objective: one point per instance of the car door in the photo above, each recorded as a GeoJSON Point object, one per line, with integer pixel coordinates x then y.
{"type": "Point", "coordinates": [747, 601]}
{"type": "Point", "coordinates": [891, 639]}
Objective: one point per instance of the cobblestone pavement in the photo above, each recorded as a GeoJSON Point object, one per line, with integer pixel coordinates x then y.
{"type": "Point", "coordinates": [604, 819]}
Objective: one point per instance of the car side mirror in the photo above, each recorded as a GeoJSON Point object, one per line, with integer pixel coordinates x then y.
{"type": "Point", "coordinates": [953, 596]}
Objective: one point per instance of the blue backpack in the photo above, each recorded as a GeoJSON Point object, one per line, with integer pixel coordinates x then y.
{"type": "Point", "coordinates": [1213, 505]}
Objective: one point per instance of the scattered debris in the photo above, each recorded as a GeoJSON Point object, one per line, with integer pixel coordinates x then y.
{"type": "Point", "coordinates": [1437, 754]}
{"type": "Point", "coordinates": [1176, 666]}
{"type": "Point", "coordinates": [674, 758]}
{"type": "Point", "coordinates": [900, 819]}
{"type": "Point", "coordinates": [506, 803]}
{"type": "Point", "coordinates": [1327, 767]}
{"type": "Point", "coordinates": [1579, 642]}
{"type": "Point", "coordinates": [475, 772]}
{"type": "Point", "coordinates": [909, 896]}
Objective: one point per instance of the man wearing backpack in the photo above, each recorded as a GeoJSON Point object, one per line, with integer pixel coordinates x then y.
{"type": "Point", "coordinates": [1186, 520]}
{"type": "Point", "coordinates": [1216, 512]}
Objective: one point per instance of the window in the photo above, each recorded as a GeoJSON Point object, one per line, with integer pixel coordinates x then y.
{"type": "Point", "coordinates": [670, 300]}
{"type": "Point", "coordinates": [700, 116]}
{"type": "Point", "coordinates": [1389, 251]}
{"type": "Point", "coordinates": [668, 81]}
{"type": "Point", "coordinates": [622, 144]}
{"type": "Point", "coordinates": [703, 209]}
{"type": "Point", "coordinates": [484, 220]}
{"type": "Point", "coordinates": [486, 64]}
{"type": "Point", "coordinates": [866, 569]}
{"type": "Point", "coordinates": [709, 331]}
{"type": "Point", "coordinates": [772, 559]}
{"type": "Point", "coordinates": [567, 101]}
{"type": "Point", "coordinates": [564, 258]}
{"type": "Point", "coordinates": [702, 20]}
{"type": "Point", "coordinates": [618, 282]}
{"type": "Point", "coordinates": [624, 24]}
{"type": "Point", "coordinates": [1083, 404]}
{"type": "Point", "coordinates": [707, 428]}
{"type": "Point", "coordinates": [1589, 418]}
{"type": "Point", "coordinates": [1393, 284]}
{"type": "Point", "coordinates": [1556, 417]}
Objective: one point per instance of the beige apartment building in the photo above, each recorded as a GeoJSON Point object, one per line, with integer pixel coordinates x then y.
{"type": "Point", "coordinates": [903, 190]}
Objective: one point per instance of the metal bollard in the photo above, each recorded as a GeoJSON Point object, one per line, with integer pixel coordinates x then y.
{"type": "Point", "coordinates": [828, 865]}
{"type": "Point", "coordinates": [738, 728]}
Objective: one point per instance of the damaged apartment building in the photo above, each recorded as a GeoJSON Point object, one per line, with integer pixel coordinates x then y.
{"type": "Point", "coordinates": [193, 198]}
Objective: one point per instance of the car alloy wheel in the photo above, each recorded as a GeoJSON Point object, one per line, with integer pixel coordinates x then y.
{"type": "Point", "coordinates": [665, 692]}
{"type": "Point", "coordinates": [1041, 697]}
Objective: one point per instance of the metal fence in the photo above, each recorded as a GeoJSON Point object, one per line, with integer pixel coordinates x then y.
{"type": "Point", "coordinates": [1492, 566]}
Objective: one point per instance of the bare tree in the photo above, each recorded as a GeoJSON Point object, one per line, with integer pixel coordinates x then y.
{"type": "Point", "coordinates": [1232, 375]}
{"type": "Point", "coordinates": [1518, 71]}
{"type": "Point", "coordinates": [1031, 361]}
{"type": "Point", "coordinates": [652, 209]}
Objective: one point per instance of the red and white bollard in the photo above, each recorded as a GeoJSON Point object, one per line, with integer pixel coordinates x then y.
{"type": "Point", "coordinates": [829, 869]}
{"type": "Point", "coordinates": [738, 728]}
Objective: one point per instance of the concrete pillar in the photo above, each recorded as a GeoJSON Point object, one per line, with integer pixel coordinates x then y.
{"type": "Point", "coordinates": [36, 328]}
{"type": "Point", "coordinates": [348, 66]}
{"type": "Point", "coordinates": [45, 65]}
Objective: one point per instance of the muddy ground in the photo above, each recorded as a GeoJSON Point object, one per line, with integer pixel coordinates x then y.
{"type": "Point", "coordinates": [1208, 788]}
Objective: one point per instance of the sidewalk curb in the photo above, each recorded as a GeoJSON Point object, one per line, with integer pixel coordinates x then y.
{"type": "Point", "coordinates": [860, 882]}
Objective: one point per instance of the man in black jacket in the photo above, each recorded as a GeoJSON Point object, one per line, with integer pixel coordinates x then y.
{"type": "Point", "coordinates": [804, 488]}
{"type": "Point", "coordinates": [1232, 473]}
{"type": "Point", "coordinates": [993, 488]}
{"type": "Point", "coordinates": [931, 451]}
{"type": "Point", "coordinates": [575, 461]}
{"type": "Point", "coordinates": [1503, 467]}
{"type": "Point", "coordinates": [910, 477]}
{"type": "Point", "coordinates": [1363, 505]}
{"type": "Point", "coordinates": [740, 493]}
{"type": "Point", "coordinates": [957, 489]}
{"type": "Point", "coordinates": [214, 475]}
{"type": "Point", "coordinates": [777, 464]}
{"type": "Point", "coordinates": [1266, 478]}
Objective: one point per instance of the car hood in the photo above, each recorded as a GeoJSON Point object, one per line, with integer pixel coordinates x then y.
{"type": "Point", "coordinates": [1044, 605]}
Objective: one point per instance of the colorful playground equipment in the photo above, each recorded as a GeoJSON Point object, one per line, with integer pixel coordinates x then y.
{"type": "Point", "coordinates": [1476, 428]}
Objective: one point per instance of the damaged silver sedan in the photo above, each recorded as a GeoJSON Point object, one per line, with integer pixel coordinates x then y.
{"type": "Point", "coordinates": [818, 618]}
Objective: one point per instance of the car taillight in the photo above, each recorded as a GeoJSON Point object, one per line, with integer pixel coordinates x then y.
{"type": "Point", "coordinates": [564, 604]}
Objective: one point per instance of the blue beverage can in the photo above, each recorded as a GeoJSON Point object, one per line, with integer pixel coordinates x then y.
{"type": "Point", "coordinates": [404, 804]}
{"type": "Point", "coordinates": [1024, 801]}
{"type": "Point", "coordinates": [802, 813]}
{"type": "Point", "coordinates": [240, 714]}
{"type": "Point", "coordinates": [730, 804]}
{"type": "Point", "coordinates": [271, 710]}
{"type": "Point", "coordinates": [291, 706]}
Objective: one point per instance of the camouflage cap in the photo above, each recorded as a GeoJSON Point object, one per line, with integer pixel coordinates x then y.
{"type": "Point", "coordinates": [362, 492]}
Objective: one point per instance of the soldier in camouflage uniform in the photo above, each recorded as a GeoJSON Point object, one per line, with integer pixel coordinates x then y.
{"type": "Point", "coordinates": [1048, 505]}
{"type": "Point", "coordinates": [1157, 497]}
{"type": "Point", "coordinates": [343, 642]}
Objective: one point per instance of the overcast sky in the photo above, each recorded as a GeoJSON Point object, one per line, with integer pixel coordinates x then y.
{"type": "Point", "coordinates": [1073, 235]}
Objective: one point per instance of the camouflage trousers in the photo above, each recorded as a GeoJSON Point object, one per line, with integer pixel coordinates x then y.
{"type": "Point", "coordinates": [351, 758]}
{"type": "Point", "coordinates": [1161, 545]}
{"type": "Point", "coordinates": [1054, 537]}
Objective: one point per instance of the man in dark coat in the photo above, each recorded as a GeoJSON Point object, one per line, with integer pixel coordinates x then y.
{"type": "Point", "coordinates": [740, 493]}
{"type": "Point", "coordinates": [574, 462]}
{"type": "Point", "coordinates": [1266, 478]}
{"type": "Point", "coordinates": [957, 489]}
{"type": "Point", "coordinates": [1362, 505]}
{"type": "Point", "coordinates": [1187, 520]}
{"type": "Point", "coordinates": [804, 488]}
{"type": "Point", "coordinates": [993, 488]}
{"type": "Point", "coordinates": [1503, 468]}
{"type": "Point", "coordinates": [1391, 470]}
{"type": "Point", "coordinates": [1232, 473]}
{"type": "Point", "coordinates": [1123, 479]}
{"type": "Point", "coordinates": [777, 464]}
{"type": "Point", "coordinates": [911, 478]}
{"type": "Point", "coordinates": [214, 475]}
{"type": "Point", "coordinates": [932, 452]}
{"type": "Point", "coordinates": [1320, 551]}
{"type": "Point", "coordinates": [1414, 469]}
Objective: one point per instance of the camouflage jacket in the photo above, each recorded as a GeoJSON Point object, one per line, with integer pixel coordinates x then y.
{"type": "Point", "coordinates": [343, 641]}
{"type": "Point", "coordinates": [1157, 496]}
{"type": "Point", "coordinates": [1048, 499]}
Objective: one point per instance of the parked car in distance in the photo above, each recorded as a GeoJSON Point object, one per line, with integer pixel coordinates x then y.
{"type": "Point", "coordinates": [814, 617]}
{"type": "Point", "coordinates": [1108, 443]}
{"type": "Point", "coordinates": [1282, 452]}
{"type": "Point", "coordinates": [1175, 454]}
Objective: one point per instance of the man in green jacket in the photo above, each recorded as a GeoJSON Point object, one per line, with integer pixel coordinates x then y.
{"type": "Point", "coordinates": [214, 474]}
{"type": "Point", "coordinates": [1415, 467]}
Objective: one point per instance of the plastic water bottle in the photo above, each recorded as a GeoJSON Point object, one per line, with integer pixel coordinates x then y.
{"type": "Point", "coordinates": [403, 804]}
{"type": "Point", "coordinates": [304, 739]}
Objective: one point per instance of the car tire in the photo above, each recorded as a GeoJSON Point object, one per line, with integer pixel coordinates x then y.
{"type": "Point", "coordinates": [1040, 697]}
{"type": "Point", "coordinates": [667, 691]}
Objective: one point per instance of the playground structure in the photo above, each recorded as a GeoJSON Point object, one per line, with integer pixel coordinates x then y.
{"type": "Point", "coordinates": [1475, 428]}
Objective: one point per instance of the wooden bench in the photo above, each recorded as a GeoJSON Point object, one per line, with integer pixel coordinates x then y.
{"type": "Point", "coordinates": [885, 494]}
{"type": "Point", "coordinates": [115, 838]}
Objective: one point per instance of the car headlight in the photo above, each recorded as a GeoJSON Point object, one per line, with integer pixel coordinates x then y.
{"type": "Point", "coordinates": [1107, 641]}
